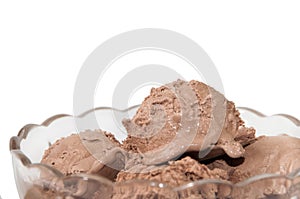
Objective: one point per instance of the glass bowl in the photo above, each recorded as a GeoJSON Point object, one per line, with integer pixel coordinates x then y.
{"type": "Point", "coordinates": [35, 180]}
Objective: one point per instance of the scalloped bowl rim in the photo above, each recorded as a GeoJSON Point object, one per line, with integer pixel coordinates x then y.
{"type": "Point", "coordinates": [16, 140]}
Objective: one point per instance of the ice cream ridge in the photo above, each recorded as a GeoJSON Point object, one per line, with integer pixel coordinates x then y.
{"type": "Point", "coordinates": [182, 133]}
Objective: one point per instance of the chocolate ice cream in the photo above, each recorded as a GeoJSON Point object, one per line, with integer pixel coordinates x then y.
{"type": "Point", "coordinates": [142, 190]}
{"type": "Point", "coordinates": [159, 119]}
{"type": "Point", "coordinates": [268, 155]}
{"type": "Point", "coordinates": [37, 192]}
{"type": "Point", "coordinates": [94, 152]}
{"type": "Point", "coordinates": [173, 124]}
{"type": "Point", "coordinates": [175, 173]}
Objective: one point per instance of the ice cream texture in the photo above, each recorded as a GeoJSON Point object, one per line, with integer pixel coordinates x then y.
{"type": "Point", "coordinates": [92, 152]}
{"type": "Point", "coordinates": [159, 118]}
{"type": "Point", "coordinates": [268, 155]}
{"type": "Point", "coordinates": [158, 149]}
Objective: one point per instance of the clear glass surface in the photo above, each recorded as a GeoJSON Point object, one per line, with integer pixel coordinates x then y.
{"type": "Point", "coordinates": [31, 177]}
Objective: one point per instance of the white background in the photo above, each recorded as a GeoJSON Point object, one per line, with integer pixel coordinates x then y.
{"type": "Point", "coordinates": [255, 46]}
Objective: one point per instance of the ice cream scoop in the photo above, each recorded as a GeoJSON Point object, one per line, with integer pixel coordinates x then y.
{"type": "Point", "coordinates": [94, 152]}
{"type": "Point", "coordinates": [213, 125]}
{"type": "Point", "coordinates": [268, 155]}
{"type": "Point", "coordinates": [175, 173]}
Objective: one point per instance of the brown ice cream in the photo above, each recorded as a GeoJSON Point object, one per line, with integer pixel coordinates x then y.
{"type": "Point", "coordinates": [94, 152]}
{"type": "Point", "coordinates": [37, 192]}
{"type": "Point", "coordinates": [173, 124]}
{"type": "Point", "coordinates": [159, 119]}
{"type": "Point", "coordinates": [71, 188]}
{"type": "Point", "coordinates": [174, 174]}
{"type": "Point", "coordinates": [271, 154]}
{"type": "Point", "coordinates": [268, 155]}
{"type": "Point", "coordinates": [142, 190]}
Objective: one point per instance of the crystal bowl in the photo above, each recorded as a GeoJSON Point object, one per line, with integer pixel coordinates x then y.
{"type": "Point", "coordinates": [36, 180]}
